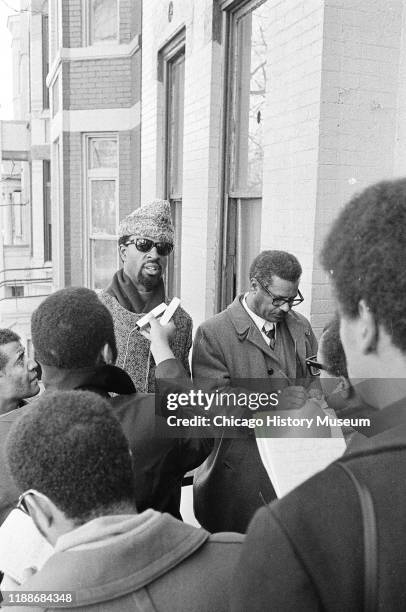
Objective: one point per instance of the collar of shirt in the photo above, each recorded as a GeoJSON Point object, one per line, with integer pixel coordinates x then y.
{"type": "Point", "coordinates": [259, 321]}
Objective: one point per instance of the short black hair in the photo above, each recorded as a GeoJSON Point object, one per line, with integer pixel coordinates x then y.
{"type": "Point", "coordinates": [332, 349]}
{"type": "Point", "coordinates": [6, 336]}
{"type": "Point", "coordinates": [365, 254]}
{"type": "Point", "coordinates": [70, 447]}
{"type": "Point", "coordinates": [275, 263]}
{"type": "Point", "coordinates": [70, 327]}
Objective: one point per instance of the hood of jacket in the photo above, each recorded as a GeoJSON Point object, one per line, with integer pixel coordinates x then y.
{"type": "Point", "coordinates": [117, 556]}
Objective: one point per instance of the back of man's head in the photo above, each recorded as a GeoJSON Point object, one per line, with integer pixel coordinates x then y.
{"type": "Point", "coordinates": [6, 337]}
{"type": "Point", "coordinates": [275, 263]}
{"type": "Point", "coordinates": [365, 255]}
{"type": "Point", "coordinates": [70, 448]}
{"type": "Point", "coordinates": [70, 328]}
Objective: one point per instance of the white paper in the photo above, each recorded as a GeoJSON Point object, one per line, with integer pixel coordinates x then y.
{"type": "Point", "coordinates": [21, 546]}
{"type": "Point", "coordinates": [290, 461]}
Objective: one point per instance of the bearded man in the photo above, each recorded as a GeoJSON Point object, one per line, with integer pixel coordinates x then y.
{"type": "Point", "coordinates": [146, 239]}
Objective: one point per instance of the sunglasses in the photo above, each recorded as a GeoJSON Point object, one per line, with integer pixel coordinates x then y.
{"type": "Point", "coordinates": [314, 366]}
{"type": "Point", "coordinates": [144, 245]}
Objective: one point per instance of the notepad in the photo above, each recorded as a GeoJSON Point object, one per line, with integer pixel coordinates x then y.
{"type": "Point", "coordinates": [290, 461]}
{"type": "Point", "coordinates": [21, 546]}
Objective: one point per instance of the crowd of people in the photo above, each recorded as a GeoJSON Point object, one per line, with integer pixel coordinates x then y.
{"type": "Point", "coordinates": [88, 456]}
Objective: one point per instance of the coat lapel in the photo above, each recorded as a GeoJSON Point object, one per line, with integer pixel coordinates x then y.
{"type": "Point", "coordinates": [246, 328]}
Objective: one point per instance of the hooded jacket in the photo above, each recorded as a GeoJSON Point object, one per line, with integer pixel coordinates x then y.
{"type": "Point", "coordinates": [148, 562]}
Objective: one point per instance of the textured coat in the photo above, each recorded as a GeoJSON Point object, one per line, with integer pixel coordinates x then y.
{"type": "Point", "coordinates": [134, 354]}
{"type": "Point", "coordinates": [306, 552]}
{"type": "Point", "coordinates": [158, 565]}
{"type": "Point", "coordinates": [232, 483]}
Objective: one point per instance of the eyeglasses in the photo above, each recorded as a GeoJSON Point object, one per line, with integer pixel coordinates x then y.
{"type": "Point", "coordinates": [280, 301]}
{"type": "Point", "coordinates": [144, 245]}
{"type": "Point", "coordinates": [314, 366]}
{"type": "Point", "coordinates": [22, 504]}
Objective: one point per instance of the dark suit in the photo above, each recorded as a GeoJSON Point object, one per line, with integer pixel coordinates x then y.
{"type": "Point", "coordinates": [305, 551]}
{"type": "Point", "coordinates": [232, 483]}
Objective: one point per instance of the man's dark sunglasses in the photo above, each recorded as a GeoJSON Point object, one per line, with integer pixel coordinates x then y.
{"type": "Point", "coordinates": [144, 245]}
{"type": "Point", "coordinates": [280, 301]}
{"type": "Point", "coordinates": [314, 366]}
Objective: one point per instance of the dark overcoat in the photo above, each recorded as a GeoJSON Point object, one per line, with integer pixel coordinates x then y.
{"type": "Point", "coordinates": [232, 483]}
{"type": "Point", "coordinates": [306, 551]}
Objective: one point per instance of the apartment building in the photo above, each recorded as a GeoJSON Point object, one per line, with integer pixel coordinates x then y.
{"type": "Point", "coordinates": [260, 118]}
{"type": "Point", "coordinates": [25, 205]}
{"type": "Point", "coordinates": [95, 87]}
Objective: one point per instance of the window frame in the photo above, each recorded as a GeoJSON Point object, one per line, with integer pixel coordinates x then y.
{"type": "Point", "coordinates": [233, 199]}
{"type": "Point", "coordinates": [87, 22]}
{"type": "Point", "coordinates": [167, 57]}
{"type": "Point", "coordinates": [94, 175]}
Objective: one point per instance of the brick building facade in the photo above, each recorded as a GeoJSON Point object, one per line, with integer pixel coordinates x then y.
{"type": "Point", "coordinates": [25, 204]}
{"type": "Point", "coordinates": [290, 106]}
{"type": "Point", "coordinates": [95, 89]}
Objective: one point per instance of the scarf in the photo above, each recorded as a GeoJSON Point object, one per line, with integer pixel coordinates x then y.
{"type": "Point", "coordinates": [127, 294]}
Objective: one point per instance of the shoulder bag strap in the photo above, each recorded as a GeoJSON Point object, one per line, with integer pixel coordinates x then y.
{"type": "Point", "coordinates": [370, 541]}
{"type": "Point", "coordinates": [143, 601]}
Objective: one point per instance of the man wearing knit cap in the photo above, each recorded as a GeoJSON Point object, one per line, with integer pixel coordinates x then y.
{"type": "Point", "coordinates": [146, 238]}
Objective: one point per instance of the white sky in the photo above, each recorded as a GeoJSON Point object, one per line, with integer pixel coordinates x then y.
{"type": "Point", "coordinates": [6, 91]}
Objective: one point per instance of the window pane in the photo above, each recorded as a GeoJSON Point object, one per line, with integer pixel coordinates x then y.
{"type": "Point", "coordinates": [176, 87]}
{"type": "Point", "coordinates": [103, 20]}
{"type": "Point", "coordinates": [251, 91]}
{"type": "Point", "coordinates": [103, 202]}
{"type": "Point", "coordinates": [103, 153]}
{"type": "Point", "coordinates": [104, 262]}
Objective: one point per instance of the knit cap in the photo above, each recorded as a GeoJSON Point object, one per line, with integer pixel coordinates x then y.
{"type": "Point", "coordinates": [149, 221]}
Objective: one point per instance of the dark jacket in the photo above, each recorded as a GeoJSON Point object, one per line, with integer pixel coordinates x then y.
{"type": "Point", "coordinates": [8, 491]}
{"type": "Point", "coordinates": [160, 462]}
{"type": "Point", "coordinates": [232, 483]}
{"type": "Point", "coordinates": [306, 551]}
{"type": "Point", "coordinates": [155, 564]}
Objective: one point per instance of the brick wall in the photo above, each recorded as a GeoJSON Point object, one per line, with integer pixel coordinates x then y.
{"type": "Point", "coordinates": [72, 193]}
{"type": "Point", "coordinates": [105, 83]}
{"type": "Point", "coordinates": [129, 169]}
{"type": "Point", "coordinates": [72, 18]}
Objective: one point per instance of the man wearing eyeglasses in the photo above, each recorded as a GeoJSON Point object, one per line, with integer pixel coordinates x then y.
{"type": "Point", "coordinates": [146, 239]}
{"type": "Point", "coordinates": [258, 336]}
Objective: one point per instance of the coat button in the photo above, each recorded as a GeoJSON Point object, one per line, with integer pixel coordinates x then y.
{"type": "Point", "coordinates": [270, 371]}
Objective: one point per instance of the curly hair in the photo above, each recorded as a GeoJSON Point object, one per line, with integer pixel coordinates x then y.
{"type": "Point", "coordinates": [71, 448]}
{"type": "Point", "coordinates": [6, 336]}
{"type": "Point", "coordinates": [275, 263]}
{"type": "Point", "coordinates": [70, 327]}
{"type": "Point", "coordinates": [332, 349]}
{"type": "Point", "coordinates": [365, 255]}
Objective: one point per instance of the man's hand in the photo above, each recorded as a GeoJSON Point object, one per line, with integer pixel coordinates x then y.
{"type": "Point", "coordinates": [160, 336]}
{"type": "Point", "coordinates": [292, 398]}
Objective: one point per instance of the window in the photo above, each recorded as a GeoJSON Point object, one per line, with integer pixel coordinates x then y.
{"type": "Point", "coordinates": [244, 150]}
{"type": "Point", "coordinates": [172, 59]}
{"type": "Point", "coordinates": [102, 209]}
{"type": "Point", "coordinates": [102, 21]}
{"type": "Point", "coordinates": [45, 61]}
{"type": "Point", "coordinates": [47, 211]}
{"type": "Point", "coordinates": [14, 291]}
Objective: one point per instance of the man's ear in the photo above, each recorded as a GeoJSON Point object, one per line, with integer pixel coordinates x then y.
{"type": "Point", "coordinates": [344, 387]}
{"type": "Point", "coordinates": [368, 329]}
{"type": "Point", "coordinates": [42, 511]}
{"type": "Point", "coordinates": [254, 285]}
{"type": "Point", "coordinates": [123, 251]}
{"type": "Point", "coordinates": [106, 354]}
